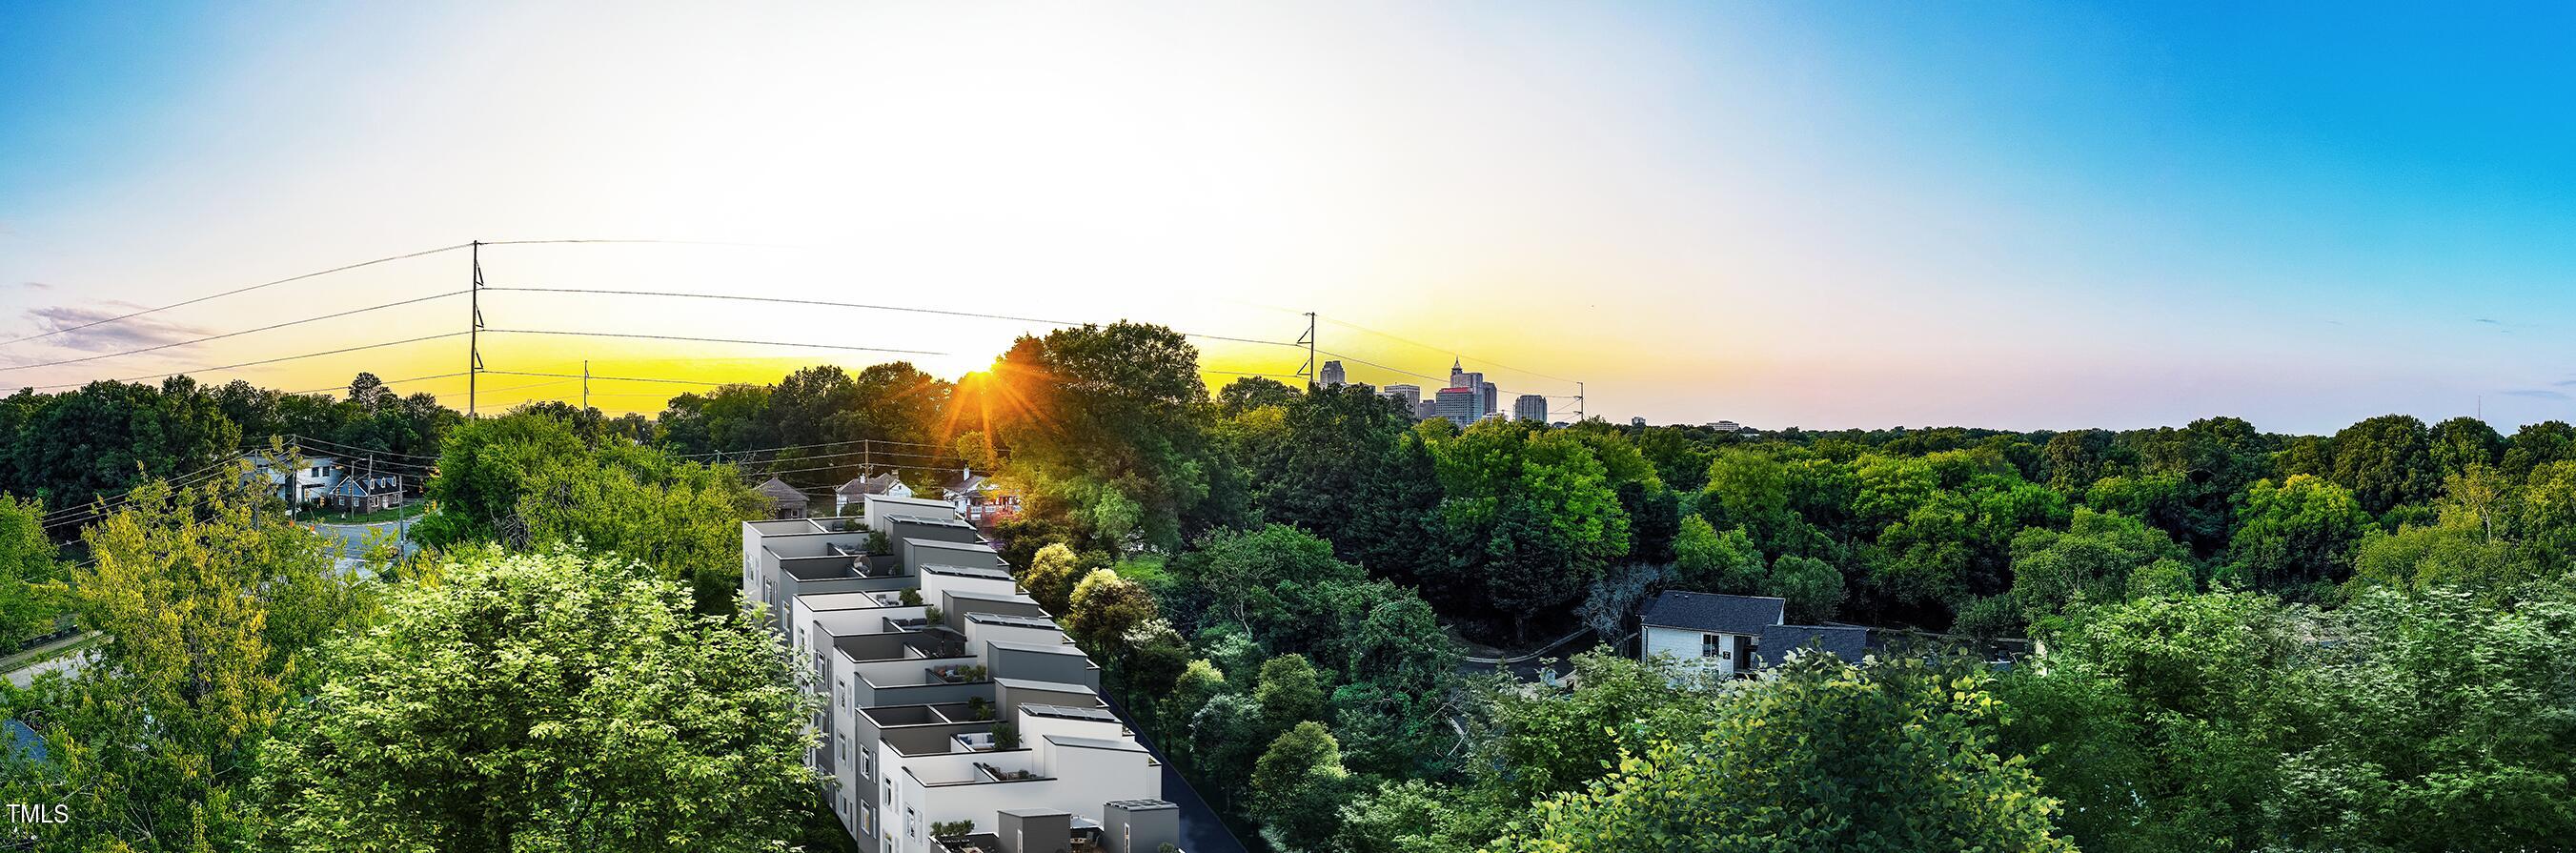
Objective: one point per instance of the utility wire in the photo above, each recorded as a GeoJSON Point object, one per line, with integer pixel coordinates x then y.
{"type": "Point", "coordinates": [389, 383]}
{"type": "Point", "coordinates": [1382, 367]}
{"type": "Point", "coordinates": [202, 369]}
{"type": "Point", "coordinates": [700, 340]}
{"type": "Point", "coordinates": [160, 347]}
{"type": "Point", "coordinates": [1356, 327]}
{"type": "Point", "coordinates": [234, 291]}
{"type": "Point", "coordinates": [781, 300]}
{"type": "Point", "coordinates": [606, 378]}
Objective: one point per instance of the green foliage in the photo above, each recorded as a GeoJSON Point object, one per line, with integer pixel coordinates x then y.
{"type": "Point", "coordinates": [1298, 785]}
{"type": "Point", "coordinates": [681, 519]}
{"type": "Point", "coordinates": [2450, 732]}
{"type": "Point", "coordinates": [2092, 561]}
{"type": "Point", "coordinates": [32, 594]}
{"type": "Point", "coordinates": [1822, 756]}
{"type": "Point", "coordinates": [1289, 692]}
{"type": "Point", "coordinates": [1533, 517]}
{"type": "Point", "coordinates": [211, 607]}
{"type": "Point", "coordinates": [1813, 588]}
{"type": "Point", "coordinates": [550, 701]}
{"type": "Point", "coordinates": [1109, 427]}
{"type": "Point", "coordinates": [2386, 461]}
{"type": "Point", "coordinates": [2295, 534]}
{"type": "Point", "coordinates": [1104, 608]}
{"type": "Point", "coordinates": [1050, 576]}
{"type": "Point", "coordinates": [2161, 723]}
{"type": "Point", "coordinates": [1708, 561]}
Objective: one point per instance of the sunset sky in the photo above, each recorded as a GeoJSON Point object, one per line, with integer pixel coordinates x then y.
{"type": "Point", "coordinates": [1858, 215]}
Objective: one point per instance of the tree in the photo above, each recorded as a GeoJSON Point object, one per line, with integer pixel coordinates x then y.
{"type": "Point", "coordinates": [368, 392]}
{"type": "Point", "coordinates": [1707, 561]}
{"type": "Point", "coordinates": [2459, 443]}
{"type": "Point", "coordinates": [2386, 461]}
{"type": "Point", "coordinates": [1821, 756]}
{"type": "Point", "coordinates": [1108, 427]}
{"type": "Point", "coordinates": [2089, 562]}
{"type": "Point", "coordinates": [485, 466]}
{"type": "Point", "coordinates": [1532, 516]}
{"type": "Point", "coordinates": [32, 594]}
{"type": "Point", "coordinates": [1051, 575]}
{"type": "Point", "coordinates": [1297, 786]}
{"type": "Point", "coordinates": [546, 701]}
{"type": "Point", "coordinates": [2161, 723]}
{"type": "Point", "coordinates": [681, 519]}
{"type": "Point", "coordinates": [211, 606]}
{"type": "Point", "coordinates": [2535, 445]}
{"type": "Point", "coordinates": [1813, 588]}
{"type": "Point", "coordinates": [2296, 533]}
{"type": "Point", "coordinates": [1290, 691]}
{"type": "Point", "coordinates": [2450, 728]}
{"type": "Point", "coordinates": [1104, 608]}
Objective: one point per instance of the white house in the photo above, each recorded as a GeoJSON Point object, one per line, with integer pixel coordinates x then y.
{"type": "Point", "coordinates": [309, 482]}
{"type": "Point", "coordinates": [1720, 631]}
{"type": "Point", "coordinates": [977, 498]}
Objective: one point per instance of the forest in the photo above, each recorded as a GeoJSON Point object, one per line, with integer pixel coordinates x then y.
{"type": "Point", "coordinates": [2356, 641]}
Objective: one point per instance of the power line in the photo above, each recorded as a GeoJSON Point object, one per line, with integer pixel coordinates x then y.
{"type": "Point", "coordinates": [1356, 327]}
{"type": "Point", "coordinates": [609, 378]}
{"type": "Point", "coordinates": [701, 340]}
{"type": "Point", "coordinates": [202, 369]}
{"type": "Point", "coordinates": [388, 382]}
{"type": "Point", "coordinates": [781, 300]}
{"type": "Point", "coordinates": [1384, 367]}
{"type": "Point", "coordinates": [344, 268]}
{"type": "Point", "coordinates": [158, 347]}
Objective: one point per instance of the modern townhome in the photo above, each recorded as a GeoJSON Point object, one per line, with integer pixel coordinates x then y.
{"type": "Point", "coordinates": [957, 717]}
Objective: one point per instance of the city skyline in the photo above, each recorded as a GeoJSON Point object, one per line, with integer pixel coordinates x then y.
{"type": "Point", "coordinates": [2016, 216]}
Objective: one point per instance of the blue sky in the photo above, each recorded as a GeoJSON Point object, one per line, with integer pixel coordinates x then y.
{"type": "Point", "coordinates": [2013, 215]}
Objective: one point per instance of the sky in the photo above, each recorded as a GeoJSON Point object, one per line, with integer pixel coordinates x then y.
{"type": "Point", "coordinates": [2012, 215]}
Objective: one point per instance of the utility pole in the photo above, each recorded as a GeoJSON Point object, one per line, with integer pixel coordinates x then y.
{"type": "Point", "coordinates": [1308, 371]}
{"type": "Point", "coordinates": [585, 384]}
{"type": "Point", "coordinates": [1578, 402]}
{"type": "Point", "coordinates": [474, 333]}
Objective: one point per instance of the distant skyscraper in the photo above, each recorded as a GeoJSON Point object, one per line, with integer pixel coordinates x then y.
{"type": "Point", "coordinates": [1409, 395]}
{"type": "Point", "coordinates": [1460, 405]}
{"type": "Point", "coordinates": [1424, 410]}
{"type": "Point", "coordinates": [1530, 407]}
{"type": "Point", "coordinates": [1332, 374]}
{"type": "Point", "coordinates": [1491, 396]}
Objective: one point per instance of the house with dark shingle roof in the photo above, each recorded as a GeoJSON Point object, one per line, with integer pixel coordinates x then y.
{"type": "Point", "coordinates": [1716, 630]}
{"type": "Point", "coordinates": [856, 491]}
{"type": "Point", "coordinates": [784, 500]}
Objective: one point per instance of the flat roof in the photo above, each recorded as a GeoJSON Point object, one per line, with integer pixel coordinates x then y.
{"type": "Point", "coordinates": [1068, 712]}
{"type": "Point", "coordinates": [950, 521]}
{"type": "Point", "coordinates": [1017, 621]}
{"type": "Point", "coordinates": [990, 573]}
{"type": "Point", "coordinates": [943, 543]}
{"type": "Point", "coordinates": [1049, 686]}
{"type": "Point", "coordinates": [1062, 649]}
{"type": "Point", "coordinates": [1093, 743]}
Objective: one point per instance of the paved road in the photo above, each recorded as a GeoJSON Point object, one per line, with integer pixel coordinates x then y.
{"type": "Point", "coordinates": [66, 664]}
{"type": "Point", "coordinates": [353, 537]}
{"type": "Point", "coordinates": [1526, 666]}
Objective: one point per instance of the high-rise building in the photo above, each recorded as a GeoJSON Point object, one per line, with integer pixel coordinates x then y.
{"type": "Point", "coordinates": [1491, 396]}
{"type": "Point", "coordinates": [1424, 410]}
{"type": "Point", "coordinates": [1332, 374]}
{"type": "Point", "coordinates": [1461, 405]}
{"type": "Point", "coordinates": [1530, 407]}
{"type": "Point", "coordinates": [1409, 395]}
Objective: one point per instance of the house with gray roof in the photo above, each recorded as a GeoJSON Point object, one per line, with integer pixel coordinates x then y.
{"type": "Point", "coordinates": [785, 501]}
{"type": "Point", "coordinates": [1707, 628]}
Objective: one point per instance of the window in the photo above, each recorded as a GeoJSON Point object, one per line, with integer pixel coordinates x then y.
{"type": "Point", "coordinates": [845, 746]}
{"type": "Point", "coordinates": [1714, 646]}
{"type": "Point", "coordinates": [911, 823]}
{"type": "Point", "coordinates": [889, 792]}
